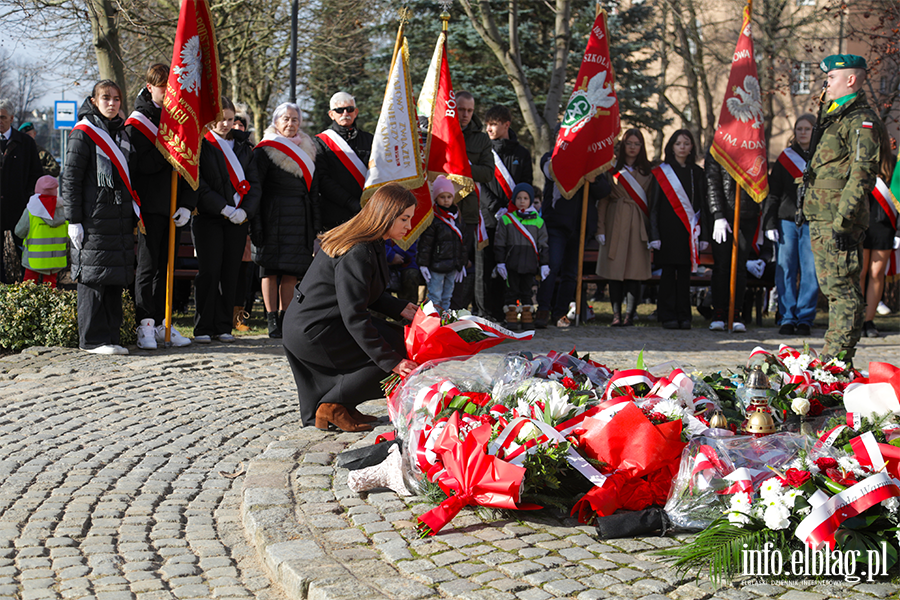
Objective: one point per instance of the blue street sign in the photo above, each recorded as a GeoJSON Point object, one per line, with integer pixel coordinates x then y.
{"type": "Point", "coordinates": [66, 114]}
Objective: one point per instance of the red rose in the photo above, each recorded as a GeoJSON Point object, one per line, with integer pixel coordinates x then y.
{"type": "Point", "coordinates": [569, 383]}
{"type": "Point", "coordinates": [796, 477]}
{"type": "Point", "coordinates": [826, 463]}
{"type": "Point", "coordinates": [815, 408]}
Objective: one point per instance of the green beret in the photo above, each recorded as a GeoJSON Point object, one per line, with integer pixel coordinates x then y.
{"type": "Point", "coordinates": [26, 127]}
{"type": "Point", "coordinates": [843, 61]}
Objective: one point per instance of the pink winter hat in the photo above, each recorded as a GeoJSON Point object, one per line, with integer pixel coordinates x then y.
{"type": "Point", "coordinates": [441, 185]}
{"type": "Point", "coordinates": [46, 186]}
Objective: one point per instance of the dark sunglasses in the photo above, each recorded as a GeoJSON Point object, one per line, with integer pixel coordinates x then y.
{"type": "Point", "coordinates": [342, 109]}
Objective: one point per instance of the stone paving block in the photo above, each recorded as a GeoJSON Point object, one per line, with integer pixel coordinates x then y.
{"type": "Point", "coordinates": [498, 558]}
{"type": "Point", "coordinates": [880, 590]}
{"type": "Point", "coordinates": [533, 594]}
{"type": "Point", "coordinates": [519, 568]}
{"type": "Point", "coordinates": [575, 554]}
{"type": "Point", "coordinates": [564, 587]}
{"type": "Point", "coordinates": [457, 587]}
{"type": "Point", "coordinates": [539, 578]}
{"type": "Point", "coordinates": [689, 591]}
{"type": "Point", "coordinates": [433, 576]}
{"type": "Point", "coordinates": [403, 589]}
{"type": "Point", "coordinates": [797, 595]}
{"type": "Point", "coordinates": [764, 589]}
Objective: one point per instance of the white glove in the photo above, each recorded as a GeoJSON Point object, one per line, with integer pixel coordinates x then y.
{"type": "Point", "coordinates": [76, 234]}
{"type": "Point", "coordinates": [545, 272]}
{"type": "Point", "coordinates": [500, 213]}
{"type": "Point", "coordinates": [181, 217]}
{"type": "Point", "coordinates": [721, 229]}
{"type": "Point", "coordinates": [460, 275]}
{"type": "Point", "coordinates": [501, 269]}
{"type": "Point", "coordinates": [654, 245]}
{"type": "Point", "coordinates": [426, 274]}
{"type": "Point", "coordinates": [227, 211]}
{"type": "Point", "coordinates": [756, 268]}
{"type": "Point", "coordinates": [238, 216]}
{"type": "Point", "coordinates": [772, 234]}
{"type": "Point", "coordinates": [703, 246]}
{"type": "Point", "coordinates": [897, 243]}
{"type": "Point", "coordinates": [601, 239]}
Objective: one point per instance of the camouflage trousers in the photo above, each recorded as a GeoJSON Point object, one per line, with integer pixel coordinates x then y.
{"type": "Point", "coordinates": [838, 274]}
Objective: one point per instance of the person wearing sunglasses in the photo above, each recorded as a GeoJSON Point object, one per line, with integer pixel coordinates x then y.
{"type": "Point", "coordinates": [342, 158]}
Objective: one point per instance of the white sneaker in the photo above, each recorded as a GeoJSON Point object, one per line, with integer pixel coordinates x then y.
{"type": "Point", "coordinates": [225, 337]}
{"type": "Point", "coordinates": [738, 327]}
{"type": "Point", "coordinates": [105, 349]}
{"type": "Point", "coordinates": [177, 340]}
{"type": "Point", "coordinates": [202, 339]}
{"type": "Point", "coordinates": [717, 326]}
{"type": "Point", "coordinates": [146, 335]}
{"type": "Point", "coordinates": [883, 309]}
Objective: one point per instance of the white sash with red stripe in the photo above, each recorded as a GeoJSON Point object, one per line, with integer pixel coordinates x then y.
{"type": "Point", "coordinates": [235, 170]}
{"type": "Point", "coordinates": [448, 220]}
{"type": "Point", "coordinates": [141, 122]}
{"type": "Point", "coordinates": [111, 150]}
{"type": "Point", "coordinates": [625, 179]}
{"type": "Point", "coordinates": [675, 193]}
{"type": "Point", "coordinates": [501, 174]}
{"type": "Point", "coordinates": [524, 231]}
{"type": "Point", "coordinates": [346, 155]}
{"type": "Point", "coordinates": [793, 162]}
{"type": "Point", "coordinates": [294, 152]}
{"type": "Point", "coordinates": [882, 193]}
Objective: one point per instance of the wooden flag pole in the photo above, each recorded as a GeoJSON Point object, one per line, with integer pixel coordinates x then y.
{"type": "Point", "coordinates": [584, 211]}
{"type": "Point", "coordinates": [735, 243]}
{"type": "Point", "coordinates": [170, 263]}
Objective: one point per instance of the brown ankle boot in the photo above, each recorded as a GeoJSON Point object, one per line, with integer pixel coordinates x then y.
{"type": "Point", "coordinates": [527, 320]}
{"type": "Point", "coordinates": [361, 417]}
{"type": "Point", "coordinates": [337, 415]}
{"type": "Point", "coordinates": [512, 318]}
{"type": "Point", "coordinates": [239, 319]}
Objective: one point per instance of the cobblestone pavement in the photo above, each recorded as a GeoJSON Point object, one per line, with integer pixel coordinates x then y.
{"type": "Point", "coordinates": [114, 484]}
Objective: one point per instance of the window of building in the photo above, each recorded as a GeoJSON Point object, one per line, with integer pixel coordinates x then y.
{"type": "Point", "coordinates": [801, 78]}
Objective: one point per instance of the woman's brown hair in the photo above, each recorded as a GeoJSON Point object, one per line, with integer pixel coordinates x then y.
{"type": "Point", "coordinates": [888, 160]}
{"type": "Point", "coordinates": [371, 223]}
{"type": "Point", "coordinates": [641, 162]}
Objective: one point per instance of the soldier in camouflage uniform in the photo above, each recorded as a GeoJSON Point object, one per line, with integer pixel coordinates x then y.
{"type": "Point", "coordinates": [842, 172]}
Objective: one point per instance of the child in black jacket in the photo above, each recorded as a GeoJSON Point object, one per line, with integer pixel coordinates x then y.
{"type": "Point", "coordinates": [442, 255]}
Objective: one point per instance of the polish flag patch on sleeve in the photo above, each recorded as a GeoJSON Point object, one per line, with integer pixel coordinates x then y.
{"type": "Point", "coordinates": [867, 125]}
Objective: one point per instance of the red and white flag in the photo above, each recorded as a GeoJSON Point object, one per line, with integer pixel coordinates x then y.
{"type": "Point", "coordinates": [584, 146]}
{"type": "Point", "coordinates": [193, 93]}
{"type": "Point", "coordinates": [739, 144]}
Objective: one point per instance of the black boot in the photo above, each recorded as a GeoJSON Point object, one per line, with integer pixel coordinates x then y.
{"type": "Point", "coordinates": [274, 325]}
{"type": "Point", "coordinates": [280, 320]}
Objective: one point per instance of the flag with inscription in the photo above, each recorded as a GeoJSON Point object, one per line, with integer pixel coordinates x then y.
{"type": "Point", "coordinates": [445, 148]}
{"type": "Point", "coordinates": [396, 156]}
{"type": "Point", "coordinates": [193, 92]}
{"type": "Point", "coordinates": [587, 136]}
{"type": "Point", "coordinates": [739, 144]}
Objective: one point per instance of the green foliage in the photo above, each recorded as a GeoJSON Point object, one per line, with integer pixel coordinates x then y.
{"type": "Point", "coordinates": [874, 424]}
{"type": "Point", "coordinates": [38, 315]}
{"type": "Point", "coordinates": [719, 548]}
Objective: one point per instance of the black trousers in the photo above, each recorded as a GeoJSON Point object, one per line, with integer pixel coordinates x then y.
{"type": "Point", "coordinates": [674, 302]}
{"type": "Point", "coordinates": [99, 315]}
{"type": "Point", "coordinates": [520, 288]}
{"type": "Point", "coordinates": [219, 244]}
{"type": "Point", "coordinates": [489, 292]}
{"type": "Point", "coordinates": [721, 277]}
{"type": "Point", "coordinates": [464, 293]}
{"type": "Point", "coordinates": [150, 274]}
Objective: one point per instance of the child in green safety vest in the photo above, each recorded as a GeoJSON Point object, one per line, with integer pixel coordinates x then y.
{"type": "Point", "coordinates": [44, 229]}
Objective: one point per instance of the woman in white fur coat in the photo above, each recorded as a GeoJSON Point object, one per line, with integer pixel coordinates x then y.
{"type": "Point", "coordinates": [288, 219]}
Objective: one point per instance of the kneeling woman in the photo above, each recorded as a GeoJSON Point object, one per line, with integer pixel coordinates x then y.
{"type": "Point", "coordinates": [337, 350]}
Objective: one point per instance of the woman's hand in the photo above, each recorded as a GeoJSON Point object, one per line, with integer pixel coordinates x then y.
{"type": "Point", "coordinates": [409, 312]}
{"type": "Point", "coordinates": [405, 367]}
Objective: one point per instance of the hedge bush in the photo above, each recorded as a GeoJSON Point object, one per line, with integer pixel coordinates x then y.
{"type": "Point", "coordinates": [38, 315]}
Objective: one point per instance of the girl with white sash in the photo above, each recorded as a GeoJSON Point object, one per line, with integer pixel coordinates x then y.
{"type": "Point", "coordinates": [795, 270]}
{"type": "Point", "coordinates": [102, 213]}
{"type": "Point", "coordinates": [285, 227]}
{"type": "Point", "coordinates": [679, 227]}
{"type": "Point", "coordinates": [227, 196]}
{"type": "Point", "coordinates": [623, 222]}
{"type": "Point", "coordinates": [881, 239]}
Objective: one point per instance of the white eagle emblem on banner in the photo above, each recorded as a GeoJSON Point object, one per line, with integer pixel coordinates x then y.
{"type": "Point", "coordinates": [192, 59]}
{"type": "Point", "coordinates": [746, 104]}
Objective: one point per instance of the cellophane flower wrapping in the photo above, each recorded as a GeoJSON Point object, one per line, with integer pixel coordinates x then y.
{"type": "Point", "coordinates": [712, 469]}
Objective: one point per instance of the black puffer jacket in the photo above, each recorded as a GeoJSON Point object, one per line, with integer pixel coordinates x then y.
{"type": "Point", "coordinates": [440, 249]}
{"type": "Point", "coordinates": [339, 190]}
{"type": "Point", "coordinates": [288, 218]}
{"type": "Point", "coordinates": [103, 209]}
{"type": "Point", "coordinates": [214, 190]}
{"type": "Point", "coordinates": [150, 171]}
{"type": "Point", "coordinates": [517, 161]}
{"type": "Point", "coordinates": [781, 204]}
{"type": "Point", "coordinates": [720, 194]}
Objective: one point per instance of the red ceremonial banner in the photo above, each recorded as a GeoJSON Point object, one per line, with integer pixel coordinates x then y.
{"type": "Point", "coordinates": [587, 136]}
{"type": "Point", "coordinates": [193, 92]}
{"type": "Point", "coordinates": [739, 144]}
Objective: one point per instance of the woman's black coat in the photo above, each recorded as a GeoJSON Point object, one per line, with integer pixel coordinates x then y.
{"type": "Point", "coordinates": [106, 213]}
{"type": "Point", "coordinates": [337, 350]}
{"type": "Point", "coordinates": [214, 190]}
{"type": "Point", "coordinates": [665, 225]}
{"type": "Point", "coordinates": [285, 226]}
{"type": "Point", "coordinates": [782, 203]}
{"type": "Point", "coordinates": [440, 249]}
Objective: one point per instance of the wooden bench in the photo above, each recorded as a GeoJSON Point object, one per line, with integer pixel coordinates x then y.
{"type": "Point", "coordinates": [185, 251]}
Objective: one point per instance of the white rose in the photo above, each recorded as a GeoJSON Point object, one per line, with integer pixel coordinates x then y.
{"type": "Point", "coordinates": [776, 517]}
{"type": "Point", "coordinates": [800, 406]}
